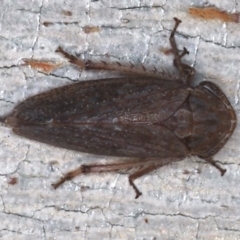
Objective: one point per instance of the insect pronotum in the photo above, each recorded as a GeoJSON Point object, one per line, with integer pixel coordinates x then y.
{"type": "Point", "coordinates": [151, 120]}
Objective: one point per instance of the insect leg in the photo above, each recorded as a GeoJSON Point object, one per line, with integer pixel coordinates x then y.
{"type": "Point", "coordinates": [147, 169]}
{"type": "Point", "coordinates": [99, 168]}
{"type": "Point", "coordinates": [188, 70]}
{"type": "Point", "coordinates": [72, 59]}
{"type": "Point", "coordinates": [184, 69]}
{"type": "Point", "coordinates": [140, 173]}
{"type": "Point", "coordinates": [184, 52]}
{"type": "Point", "coordinates": [213, 163]}
{"type": "Point", "coordinates": [130, 69]}
{"type": "Point", "coordinates": [144, 165]}
{"type": "Point", "coordinates": [177, 60]}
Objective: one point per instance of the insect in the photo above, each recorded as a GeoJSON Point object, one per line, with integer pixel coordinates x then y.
{"type": "Point", "coordinates": [152, 121]}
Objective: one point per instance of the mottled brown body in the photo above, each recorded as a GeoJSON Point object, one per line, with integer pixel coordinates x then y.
{"type": "Point", "coordinates": [152, 121]}
{"type": "Point", "coordinates": [150, 118]}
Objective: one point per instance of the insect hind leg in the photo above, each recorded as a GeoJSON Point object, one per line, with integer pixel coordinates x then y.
{"type": "Point", "coordinates": [144, 167]}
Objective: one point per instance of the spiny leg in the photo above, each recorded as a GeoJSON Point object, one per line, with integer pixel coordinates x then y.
{"type": "Point", "coordinates": [72, 59]}
{"type": "Point", "coordinates": [213, 163]}
{"type": "Point", "coordinates": [145, 165]}
{"type": "Point", "coordinates": [130, 69]}
{"type": "Point", "coordinates": [184, 69]}
{"type": "Point", "coordinates": [95, 168]}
